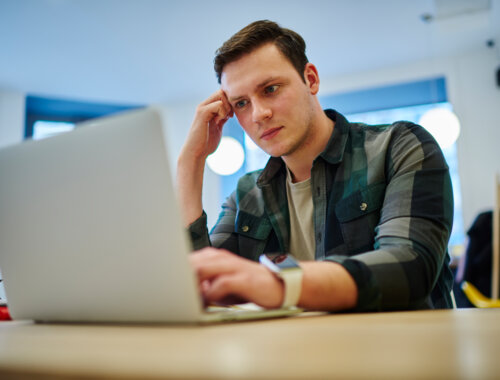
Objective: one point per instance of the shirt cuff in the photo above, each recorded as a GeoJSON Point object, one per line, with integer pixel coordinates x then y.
{"type": "Point", "coordinates": [369, 295]}
{"type": "Point", "coordinates": [198, 232]}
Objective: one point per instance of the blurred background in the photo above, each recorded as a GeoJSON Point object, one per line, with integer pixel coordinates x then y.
{"type": "Point", "coordinates": [63, 61]}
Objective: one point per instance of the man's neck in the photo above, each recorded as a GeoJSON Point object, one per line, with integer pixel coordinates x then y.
{"type": "Point", "coordinates": [300, 162]}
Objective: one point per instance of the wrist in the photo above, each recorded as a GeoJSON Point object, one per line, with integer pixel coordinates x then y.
{"type": "Point", "coordinates": [190, 173]}
{"type": "Point", "coordinates": [327, 286]}
{"type": "Point", "coordinates": [190, 159]}
{"type": "Point", "coordinates": [289, 273]}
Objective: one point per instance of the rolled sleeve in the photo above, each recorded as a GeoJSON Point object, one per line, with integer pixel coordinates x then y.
{"type": "Point", "coordinates": [410, 249]}
{"type": "Point", "coordinates": [369, 292]}
{"type": "Point", "coordinates": [198, 233]}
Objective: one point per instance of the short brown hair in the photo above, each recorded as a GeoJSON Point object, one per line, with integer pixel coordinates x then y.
{"type": "Point", "coordinates": [258, 33]}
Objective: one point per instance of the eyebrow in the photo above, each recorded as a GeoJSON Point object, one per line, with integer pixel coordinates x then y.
{"type": "Point", "coordinates": [264, 83]}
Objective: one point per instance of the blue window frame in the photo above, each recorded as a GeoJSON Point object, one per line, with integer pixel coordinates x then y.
{"type": "Point", "coordinates": [69, 112]}
{"type": "Point", "coordinates": [415, 93]}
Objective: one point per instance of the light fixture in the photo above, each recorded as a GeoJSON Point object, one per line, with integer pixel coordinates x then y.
{"type": "Point", "coordinates": [443, 124]}
{"type": "Point", "coordinates": [228, 158]}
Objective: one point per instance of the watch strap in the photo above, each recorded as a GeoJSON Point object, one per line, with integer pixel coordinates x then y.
{"type": "Point", "coordinates": [293, 286]}
{"type": "Point", "coordinates": [291, 275]}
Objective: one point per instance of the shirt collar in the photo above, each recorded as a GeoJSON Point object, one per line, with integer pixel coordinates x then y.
{"type": "Point", "coordinates": [333, 152]}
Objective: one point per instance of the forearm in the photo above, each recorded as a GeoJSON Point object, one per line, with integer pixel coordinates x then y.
{"type": "Point", "coordinates": [203, 137]}
{"type": "Point", "coordinates": [400, 273]}
{"type": "Point", "coordinates": [409, 258]}
{"type": "Point", "coordinates": [221, 274]}
{"type": "Point", "coordinates": [190, 187]}
{"type": "Point", "coordinates": [327, 286]}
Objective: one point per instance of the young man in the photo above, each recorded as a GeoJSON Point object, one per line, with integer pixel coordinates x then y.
{"type": "Point", "coordinates": [366, 209]}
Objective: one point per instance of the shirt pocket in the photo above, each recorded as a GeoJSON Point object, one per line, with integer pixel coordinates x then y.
{"type": "Point", "coordinates": [358, 215]}
{"type": "Point", "coordinates": [253, 233]}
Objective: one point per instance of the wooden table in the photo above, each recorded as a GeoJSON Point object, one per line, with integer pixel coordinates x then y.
{"type": "Point", "coordinates": [452, 344]}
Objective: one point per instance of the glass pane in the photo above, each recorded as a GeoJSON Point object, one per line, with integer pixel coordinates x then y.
{"type": "Point", "coordinates": [43, 129]}
{"type": "Point", "coordinates": [3, 299]}
{"type": "Point", "coordinates": [256, 158]}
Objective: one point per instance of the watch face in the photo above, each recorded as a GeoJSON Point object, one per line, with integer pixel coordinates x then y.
{"type": "Point", "coordinates": [283, 261]}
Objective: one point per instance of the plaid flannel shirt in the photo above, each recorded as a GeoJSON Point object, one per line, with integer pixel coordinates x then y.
{"type": "Point", "coordinates": [383, 209]}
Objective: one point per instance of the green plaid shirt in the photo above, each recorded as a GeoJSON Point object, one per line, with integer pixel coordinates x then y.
{"type": "Point", "coordinates": [383, 209]}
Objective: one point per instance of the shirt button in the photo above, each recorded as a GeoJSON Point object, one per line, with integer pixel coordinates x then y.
{"type": "Point", "coordinates": [363, 206]}
{"type": "Point", "coordinates": [245, 228]}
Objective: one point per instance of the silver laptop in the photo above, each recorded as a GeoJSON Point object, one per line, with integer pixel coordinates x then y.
{"type": "Point", "coordinates": [90, 229]}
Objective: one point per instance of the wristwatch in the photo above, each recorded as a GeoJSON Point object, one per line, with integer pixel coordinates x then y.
{"type": "Point", "coordinates": [287, 269]}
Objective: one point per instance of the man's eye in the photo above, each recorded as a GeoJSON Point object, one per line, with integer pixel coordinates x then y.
{"type": "Point", "coordinates": [271, 89]}
{"type": "Point", "coordinates": [240, 104]}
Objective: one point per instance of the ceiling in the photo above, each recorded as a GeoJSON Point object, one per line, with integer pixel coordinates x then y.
{"type": "Point", "coordinates": [145, 51]}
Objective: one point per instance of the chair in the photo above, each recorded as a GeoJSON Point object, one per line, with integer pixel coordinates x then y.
{"type": "Point", "coordinates": [475, 296]}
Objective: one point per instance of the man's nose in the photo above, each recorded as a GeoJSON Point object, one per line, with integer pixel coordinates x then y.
{"type": "Point", "coordinates": [261, 112]}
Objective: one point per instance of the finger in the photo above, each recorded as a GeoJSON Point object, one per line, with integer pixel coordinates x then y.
{"type": "Point", "coordinates": [219, 115]}
{"type": "Point", "coordinates": [215, 96]}
{"type": "Point", "coordinates": [204, 286]}
{"type": "Point", "coordinates": [212, 113]}
{"type": "Point", "coordinates": [212, 269]}
{"type": "Point", "coordinates": [210, 262]}
{"type": "Point", "coordinates": [227, 106]}
{"type": "Point", "coordinates": [229, 300]}
{"type": "Point", "coordinates": [219, 96]}
{"type": "Point", "coordinates": [226, 287]}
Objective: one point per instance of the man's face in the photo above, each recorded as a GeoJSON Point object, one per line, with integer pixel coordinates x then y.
{"type": "Point", "coordinates": [270, 99]}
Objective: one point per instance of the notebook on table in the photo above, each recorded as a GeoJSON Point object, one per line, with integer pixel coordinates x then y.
{"type": "Point", "coordinates": [90, 229]}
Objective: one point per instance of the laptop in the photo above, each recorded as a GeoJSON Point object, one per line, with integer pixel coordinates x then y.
{"type": "Point", "coordinates": [90, 229]}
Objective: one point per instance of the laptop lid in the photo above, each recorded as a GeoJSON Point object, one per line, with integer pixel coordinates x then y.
{"type": "Point", "coordinates": [90, 229]}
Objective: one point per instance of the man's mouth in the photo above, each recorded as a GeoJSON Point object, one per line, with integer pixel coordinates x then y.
{"type": "Point", "coordinates": [270, 133]}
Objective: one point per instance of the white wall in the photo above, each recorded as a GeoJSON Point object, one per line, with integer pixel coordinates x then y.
{"type": "Point", "coordinates": [478, 107]}
{"type": "Point", "coordinates": [472, 90]}
{"type": "Point", "coordinates": [12, 111]}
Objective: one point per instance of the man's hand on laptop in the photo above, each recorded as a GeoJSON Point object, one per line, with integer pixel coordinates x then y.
{"type": "Point", "coordinates": [225, 276]}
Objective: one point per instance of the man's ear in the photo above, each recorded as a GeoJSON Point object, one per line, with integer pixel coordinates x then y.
{"type": "Point", "coordinates": [312, 78]}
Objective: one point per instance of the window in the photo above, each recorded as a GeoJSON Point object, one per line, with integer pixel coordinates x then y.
{"type": "Point", "coordinates": [46, 117]}
{"type": "Point", "coordinates": [44, 128]}
{"type": "Point", "coordinates": [228, 182]}
{"type": "Point", "coordinates": [3, 298]}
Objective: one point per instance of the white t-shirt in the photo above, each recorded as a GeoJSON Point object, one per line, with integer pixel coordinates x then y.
{"type": "Point", "coordinates": [300, 207]}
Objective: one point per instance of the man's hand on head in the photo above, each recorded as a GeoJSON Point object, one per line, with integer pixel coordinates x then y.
{"type": "Point", "coordinates": [206, 129]}
{"type": "Point", "coordinates": [223, 275]}
{"type": "Point", "coordinates": [203, 137]}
